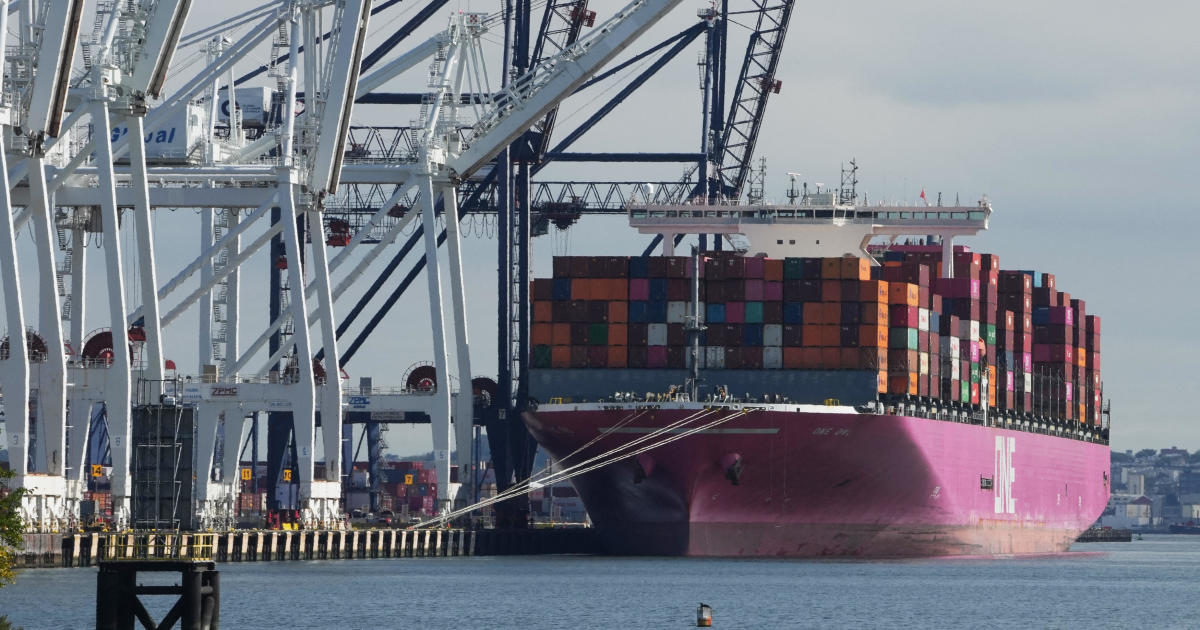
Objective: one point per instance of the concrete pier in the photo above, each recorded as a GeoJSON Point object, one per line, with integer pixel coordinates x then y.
{"type": "Point", "coordinates": [88, 548]}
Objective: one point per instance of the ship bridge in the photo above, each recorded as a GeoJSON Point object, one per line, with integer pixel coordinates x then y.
{"type": "Point", "coordinates": [809, 229]}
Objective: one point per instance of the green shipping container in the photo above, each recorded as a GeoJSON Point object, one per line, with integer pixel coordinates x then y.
{"type": "Point", "coordinates": [974, 372]}
{"type": "Point", "coordinates": [754, 312]}
{"type": "Point", "coordinates": [902, 338]}
{"type": "Point", "coordinates": [965, 393]}
{"type": "Point", "coordinates": [793, 268]}
{"type": "Point", "coordinates": [990, 335]}
{"type": "Point", "coordinates": [598, 335]}
{"type": "Point", "coordinates": [541, 356]}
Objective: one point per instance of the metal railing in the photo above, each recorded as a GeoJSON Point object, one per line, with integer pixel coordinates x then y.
{"type": "Point", "coordinates": [166, 546]}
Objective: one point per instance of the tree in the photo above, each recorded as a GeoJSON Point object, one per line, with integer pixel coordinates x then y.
{"type": "Point", "coordinates": [1146, 452]}
{"type": "Point", "coordinates": [1119, 457]}
{"type": "Point", "coordinates": [10, 527]}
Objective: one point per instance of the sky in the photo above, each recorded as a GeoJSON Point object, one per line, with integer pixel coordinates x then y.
{"type": "Point", "coordinates": [1076, 119]}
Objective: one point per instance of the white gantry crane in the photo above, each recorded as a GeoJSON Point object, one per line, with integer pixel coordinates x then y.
{"type": "Point", "coordinates": [71, 186]}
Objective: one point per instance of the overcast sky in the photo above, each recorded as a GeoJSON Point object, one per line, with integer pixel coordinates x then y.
{"type": "Point", "coordinates": [1077, 119]}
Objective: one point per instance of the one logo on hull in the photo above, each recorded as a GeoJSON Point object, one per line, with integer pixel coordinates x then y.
{"type": "Point", "coordinates": [1005, 475]}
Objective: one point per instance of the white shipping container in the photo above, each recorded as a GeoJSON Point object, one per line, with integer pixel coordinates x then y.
{"type": "Point", "coordinates": [714, 357]}
{"type": "Point", "coordinates": [923, 319]}
{"type": "Point", "coordinates": [772, 335]}
{"type": "Point", "coordinates": [677, 312]}
{"type": "Point", "coordinates": [773, 357]}
{"type": "Point", "coordinates": [656, 335]}
{"type": "Point", "coordinates": [974, 330]}
{"type": "Point", "coordinates": [255, 103]}
{"type": "Point", "coordinates": [924, 363]}
{"type": "Point", "coordinates": [1028, 382]}
{"type": "Point", "coordinates": [687, 357]}
{"type": "Point", "coordinates": [173, 142]}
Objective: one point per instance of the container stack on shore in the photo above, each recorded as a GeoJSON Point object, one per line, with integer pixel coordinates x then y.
{"type": "Point", "coordinates": [1005, 338]}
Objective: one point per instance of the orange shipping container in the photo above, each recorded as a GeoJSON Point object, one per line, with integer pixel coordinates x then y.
{"type": "Point", "coordinates": [581, 289]}
{"type": "Point", "coordinates": [542, 334]}
{"type": "Point", "coordinates": [618, 335]}
{"type": "Point", "coordinates": [1081, 357]}
{"type": "Point", "coordinates": [831, 358]}
{"type": "Point", "coordinates": [831, 290]}
{"type": "Point", "coordinates": [873, 291]}
{"type": "Point", "coordinates": [618, 356]}
{"type": "Point", "coordinates": [875, 313]}
{"type": "Point", "coordinates": [618, 289]}
{"type": "Point", "coordinates": [902, 383]}
{"type": "Point", "coordinates": [561, 334]}
{"type": "Point", "coordinates": [831, 335]}
{"type": "Point", "coordinates": [812, 358]}
{"type": "Point", "coordinates": [883, 382]}
{"type": "Point", "coordinates": [831, 313]}
{"type": "Point", "coordinates": [849, 359]}
{"type": "Point", "coordinates": [831, 268]}
{"type": "Point", "coordinates": [793, 358]}
{"type": "Point", "coordinates": [773, 270]}
{"type": "Point", "coordinates": [812, 335]}
{"type": "Point", "coordinates": [856, 269]}
{"type": "Point", "coordinates": [814, 313]}
{"type": "Point", "coordinates": [904, 293]}
{"type": "Point", "coordinates": [560, 356]}
{"type": "Point", "coordinates": [542, 311]}
{"type": "Point", "coordinates": [873, 335]}
{"type": "Point", "coordinates": [618, 311]}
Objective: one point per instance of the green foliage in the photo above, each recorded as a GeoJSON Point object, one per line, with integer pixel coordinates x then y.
{"type": "Point", "coordinates": [10, 528]}
{"type": "Point", "coordinates": [1146, 452]}
{"type": "Point", "coordinates": [1119, 457]}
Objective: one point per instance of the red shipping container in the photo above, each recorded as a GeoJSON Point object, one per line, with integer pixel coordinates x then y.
{"type": "Point", "coordinates": [656, 357]}
{"type": "Point", "coordinates": [597, 356]}
{"type": "Point", "coordinates": [831, 268]}
{"type": "Point", "coordinates": [793, 358]}
{"type": "Point", "coordinates": [831, 358]}
{"type": "Point", "coordinates": [579, 356]}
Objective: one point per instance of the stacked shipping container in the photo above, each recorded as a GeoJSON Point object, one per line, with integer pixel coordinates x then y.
{"type": "Point", "coordinates": [985, 334]}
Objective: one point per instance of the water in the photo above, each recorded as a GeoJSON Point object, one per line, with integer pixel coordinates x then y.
{"type": "Point", "coordinates": [1153, 582]}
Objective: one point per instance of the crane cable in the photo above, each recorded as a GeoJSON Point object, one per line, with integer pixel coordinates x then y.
{"type": "Point", "coordinates": [592, 464]}
{"type": "Point", "coordinates": [524, 486]}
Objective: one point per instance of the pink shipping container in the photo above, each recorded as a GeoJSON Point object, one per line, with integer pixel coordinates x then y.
{"type": "Point", "coordinates": [656, 357]}
{"type": "Point", "coordinates": [773, 291]}
{"type": "Point", "coordinates": [639, 289]}
{"type": "Point", "coordinates": [754, 267]}
{"type": "Point", "coordinates": [754, 290]}
{"type": "Point", "coordinates": [735, 312]}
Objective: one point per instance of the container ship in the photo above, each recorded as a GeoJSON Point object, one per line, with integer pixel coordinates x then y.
{"type": "Point", "coordinates": [834, 388]}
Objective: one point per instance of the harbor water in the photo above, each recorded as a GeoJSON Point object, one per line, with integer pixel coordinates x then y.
{"type": "Point", "coordinates": [1105, 585]}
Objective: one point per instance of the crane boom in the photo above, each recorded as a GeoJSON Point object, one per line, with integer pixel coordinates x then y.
{"type": "Point", "coordinates": [755, 85]}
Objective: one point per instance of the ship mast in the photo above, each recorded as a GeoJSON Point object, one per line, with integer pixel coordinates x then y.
{"type": "Point", "coordinates": [693, 328]}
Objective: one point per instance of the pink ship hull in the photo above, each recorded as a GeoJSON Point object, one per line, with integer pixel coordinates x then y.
{"type": "Point", "coordinates": [817, 483]}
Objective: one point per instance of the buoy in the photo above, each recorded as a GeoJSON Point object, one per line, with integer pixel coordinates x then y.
{"type": "Point", "coordinates": [704, 616]}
